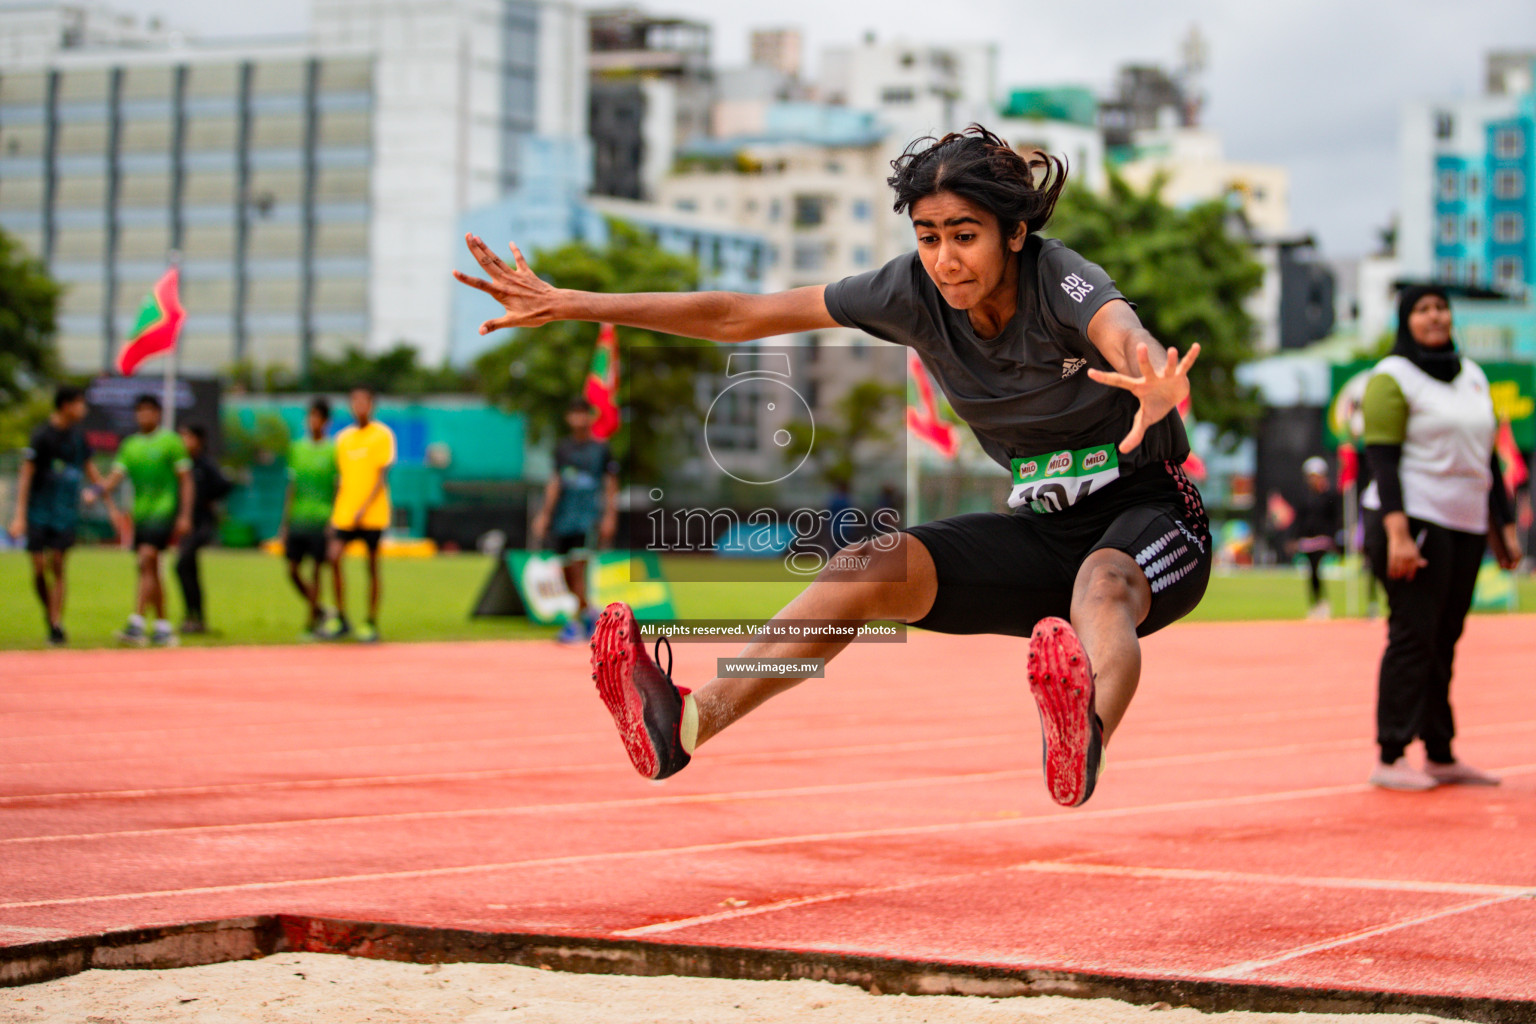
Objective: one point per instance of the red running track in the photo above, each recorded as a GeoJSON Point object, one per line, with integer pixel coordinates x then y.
{"type": "Point", "coordinates": [894, 809]}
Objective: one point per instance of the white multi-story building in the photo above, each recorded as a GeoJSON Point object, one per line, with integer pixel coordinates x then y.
{"type": "Point", "coordinates": [312, 187]}
{"type": "Point", "coordinates": [1194, 169]}
{"type": "Point", "coordinates": [914, 88]}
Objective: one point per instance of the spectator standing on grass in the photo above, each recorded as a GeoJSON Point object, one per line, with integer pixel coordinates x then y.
{"type": "Point", "coordinates": [156, 463]}
{"type": "Point", "coordinates": [580, 498]}
{"type": "Point", "coordinates": [1436, 503]}
{"type": "Point", "coordinates": [307, 508]}
{"type": "Point", "coordinates": [209, 487]}
{"type": "Point", "coordinates": [1316, 529]}
{"type": "Point", "coordinates": [364, 453]}
{"type": "Point", "coordinates": [53, 465]}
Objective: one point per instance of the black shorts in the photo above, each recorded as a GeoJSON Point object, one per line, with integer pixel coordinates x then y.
{"type": "Point", "coordinates": [1002, 573]}
{"type": "Point", "coordinates": [565, 543]}
{"type": "Point", "coordinates": [49, 538]}
{"type": "Point", "coordinates": [302, 544]}
{"type": "Point", "coordinates": [370, 538]}
{"type": "Point", "coordinates": [156, 535]}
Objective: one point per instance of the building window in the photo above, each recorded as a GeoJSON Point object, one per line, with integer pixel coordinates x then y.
{"type": "Point", "coordinates": [861, 255]}
{"type": "Point", "coordinates": [1450, 185]}
{"type": "Point", "coordinates": [1508, 270]}
{"type": "Point", "coordinates": [1474, 184]}
{"type": "Point", "coordinates": [1508, 227]}
{"type": "Point", "coordinates": [1474, 229]}
{"type": "Point", "coordinates": [1509, 144]}
{"type": "Point", "coordinates": [1445, 125]}
{"type": "Point", "coordinates": [810, 211]}
{"type": "Point", "coordinates": [1445, 271]}
{"type": "Point", "coordinates": [896, 94]}
{"type": "Point", "coordinates": [1472, 271]}
{"type": "Point", "coordinates": [774, 209]}
{"type": "Point", "coordinates": [860, 209]}
{"type": "Point", "coordinates": [810, 255]}
{"type": "Point", "coordinates": [1508, 185]}
{"type": "Point", "coordinates": [1447, 230]}
{"type": "Point", "coordinates": [686, 205]}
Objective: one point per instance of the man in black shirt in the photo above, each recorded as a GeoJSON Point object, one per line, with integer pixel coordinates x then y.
{"type": "Point", "coordinates": [55, 462]}
{"type": "Point", "coordinates": [209, 486]}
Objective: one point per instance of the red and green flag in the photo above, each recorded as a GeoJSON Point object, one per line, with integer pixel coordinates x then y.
{"type": "Point", "coordinates": [923, 416]}
{"type": "Point", "coordinates": [602, 385]}
{"type": "Point", "coordinates": [157, 327]}
{"type": "Point", "coordinates": [1511, 459]}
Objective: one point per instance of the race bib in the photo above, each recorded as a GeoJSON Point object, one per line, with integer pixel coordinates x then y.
{"type": "Point", "coordinates": [1050, 483]}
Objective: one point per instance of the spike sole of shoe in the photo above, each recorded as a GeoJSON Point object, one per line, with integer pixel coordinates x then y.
{"type": "Point", "coordinates": [1062, 683]}
{"type": "Point", "coordinates": [616, 650]}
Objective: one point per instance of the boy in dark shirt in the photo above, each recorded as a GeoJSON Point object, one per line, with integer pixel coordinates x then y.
{"type": "Point", "coordinates": [55, 461]}
{"type": "Point", "coordinates": [579, 498]}
{"type": "Point", "coordinates": [209, 486]}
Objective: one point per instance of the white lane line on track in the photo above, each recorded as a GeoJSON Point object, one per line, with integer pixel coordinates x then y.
{"type": "Point", "coordinates": [1246, 799]}
{"type": "Point", "coordinates": [1498, 892]}
{"type": "Point", "coordinates": [1248, 968]}
{"type": "Point", "coordinates": [755, 757]}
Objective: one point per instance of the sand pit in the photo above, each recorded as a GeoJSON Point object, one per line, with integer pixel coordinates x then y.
{"type": "Point", "coordinates": [305, 987]}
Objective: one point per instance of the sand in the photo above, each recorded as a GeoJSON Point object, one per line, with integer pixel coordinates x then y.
{"type": "Point", "coordinates": [316, 987]}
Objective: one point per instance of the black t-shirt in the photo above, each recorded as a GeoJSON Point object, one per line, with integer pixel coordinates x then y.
{"type": "Point", "coordinates": [581, 466]}
{"type": "Point", "coordinates": [58, 457]}
{"type": "Point", "coordinates": [1023, 393]}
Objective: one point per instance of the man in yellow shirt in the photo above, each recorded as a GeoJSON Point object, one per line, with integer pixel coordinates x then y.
{"type": "Point", "coordinates": [364, 453]}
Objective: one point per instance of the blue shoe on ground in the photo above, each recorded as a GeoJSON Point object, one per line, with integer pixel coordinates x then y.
{"type": "Point", "coordinates": [573, 632]}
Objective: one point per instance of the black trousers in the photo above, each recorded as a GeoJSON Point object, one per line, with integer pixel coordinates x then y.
{"type": "Point", "coordinates": [187, 569]}
{"type": "Point", "coordinates": [1427, 614]}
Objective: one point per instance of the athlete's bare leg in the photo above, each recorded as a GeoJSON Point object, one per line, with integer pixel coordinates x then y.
{"type": "Point", "coordinates": [1110, 598]}
{"type": "Point", "coordinates": [150, 593]}
{"type": "Point", "coordinates": [56, 592]}
{"type": "Point", "coordinates": [881, 591]}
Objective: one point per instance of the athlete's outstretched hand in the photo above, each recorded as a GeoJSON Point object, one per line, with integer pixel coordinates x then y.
{"type": "Point", "coordinates": [1159, 391]}
{"type": "Point", "coordinates": [523, 294]}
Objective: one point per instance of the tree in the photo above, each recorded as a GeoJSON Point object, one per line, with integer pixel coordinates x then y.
{"type": "Point", "coordinates": [392, 372]}
{"type": "Point", "coordinates": [1187, 275]}
{"type": "Point", "coordinates": [538, 371]}
{"type": "Point", "coordinates": [861, 414]}
{"type": "Point", "coordinates": [29, 302]}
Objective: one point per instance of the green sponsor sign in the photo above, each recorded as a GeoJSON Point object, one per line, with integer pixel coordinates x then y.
{"type": "Point", "coordinates": [1512, 386]}
{"type": "Point", "coordinates": [533, 584]}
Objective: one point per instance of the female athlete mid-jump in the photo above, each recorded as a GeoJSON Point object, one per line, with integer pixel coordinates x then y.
{"type": "Point", "coordinates": [1045, 360]}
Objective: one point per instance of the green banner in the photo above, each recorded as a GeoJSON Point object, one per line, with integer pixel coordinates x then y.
{"type": "Point", "coordinates": [1512, 385]}
{"type": "Point", "coordinates": [533, 584]}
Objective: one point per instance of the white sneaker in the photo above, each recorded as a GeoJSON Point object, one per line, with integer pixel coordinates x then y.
{"type": "Point", "coordinates": [1402, 776]}
{"type": "Point", "coordinates": [1320, 611]}
{"type": "Point", "coordinates": [1458, 774]}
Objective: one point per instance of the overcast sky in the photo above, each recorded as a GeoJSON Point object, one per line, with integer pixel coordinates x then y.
{"type": "Point", "coordinates": [1314, 85]}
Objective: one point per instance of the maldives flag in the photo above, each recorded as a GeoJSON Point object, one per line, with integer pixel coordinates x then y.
{"type": "Point", "coordinates": [157, 327]}
{"type": "Point", "coordinates": [923, 417]}
{"type": "Point", "coordinates": [602, 386]}
{"type": "Point", "coordinates": [1511, 459]}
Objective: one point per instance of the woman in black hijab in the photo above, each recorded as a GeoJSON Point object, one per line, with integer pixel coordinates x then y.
{"type": "Point", "coordinates": [1435, 503]}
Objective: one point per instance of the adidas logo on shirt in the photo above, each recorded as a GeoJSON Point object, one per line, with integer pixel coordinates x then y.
{"type": "Point", "coordinates": [1071, 366]}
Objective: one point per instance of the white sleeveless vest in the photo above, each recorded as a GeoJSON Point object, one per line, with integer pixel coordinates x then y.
{"type": "Point", "coordinates": [1447, 448]}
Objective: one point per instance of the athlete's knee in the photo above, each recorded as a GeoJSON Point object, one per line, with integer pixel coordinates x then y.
{"type": "Point", "coordinates": [1111, 581]}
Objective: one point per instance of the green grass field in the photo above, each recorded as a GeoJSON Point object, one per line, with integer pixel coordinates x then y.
{"type": "Point", "coordinates": [250, 601]}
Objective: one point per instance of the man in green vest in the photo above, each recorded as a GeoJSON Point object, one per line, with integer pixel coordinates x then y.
{"type": "Point", "coordinates": [156, 463]}
{"type": "Point", "coordinates": [312, 476]}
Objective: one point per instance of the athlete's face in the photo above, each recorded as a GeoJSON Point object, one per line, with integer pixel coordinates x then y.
{"type": "Point", "coordinates": [316, 424]}
{"type": "Point", "coordinates": [962, 249]}
{"type": "Point", "coordinates": [73, 412]}
{"type": "Point", "coordinates": [1430, 322]}
{"type": "Point", "coordinates": [147, 417]}
{"type": "Point", "coordinates": [579, 421]}
{"type": "Point", "coordinates": [362, 405]}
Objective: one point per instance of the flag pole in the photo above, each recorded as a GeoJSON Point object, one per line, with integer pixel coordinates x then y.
{"type": "Point", "coordinates": [168, 394]}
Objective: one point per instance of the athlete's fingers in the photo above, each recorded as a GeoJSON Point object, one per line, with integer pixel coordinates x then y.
{"type": "Point", "coordinates": [1137, 431]}
{"type": "Point", "coordinates": [1170, 362]}
{"type": "Point", "coordinates": [1144, 360]}
{"type": "Point", "coordinates": [489, 261]}
{"type": "Point", "coordinates": [517, 254]}
{"type": "Point", "coordinates": [1189, 358]}
{"type": "Point", "coordinates": [1114, 380]}
{"type": "Point", "coordinates": [497, 324]}
{"type": "Point", "coordinates": [474, 282]}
